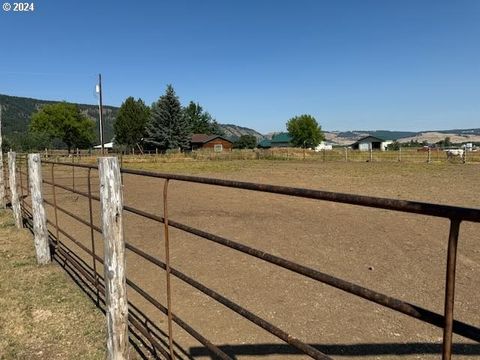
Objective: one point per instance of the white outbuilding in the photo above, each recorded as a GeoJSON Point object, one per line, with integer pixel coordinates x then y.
{"type": "Point", "coordinates": [371, 143]}
{"type": "Point", "coordinates": [324, 146]}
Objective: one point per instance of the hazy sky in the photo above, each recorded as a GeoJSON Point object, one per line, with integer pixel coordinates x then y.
{"type": "Point", "coordinates": [399, 65]}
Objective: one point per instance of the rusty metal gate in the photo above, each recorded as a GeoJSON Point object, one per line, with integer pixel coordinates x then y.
{"type": "Point", "coordinates": [162, 343]}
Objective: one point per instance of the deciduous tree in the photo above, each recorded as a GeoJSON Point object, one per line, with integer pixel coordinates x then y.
{"type": "Point", "coordinates": [65, 122]}
{"type": "Point", "coordinates": [305, 131]}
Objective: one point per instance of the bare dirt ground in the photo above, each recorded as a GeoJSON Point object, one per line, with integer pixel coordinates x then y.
{"type": "Point", "coordinates": [398, 254]}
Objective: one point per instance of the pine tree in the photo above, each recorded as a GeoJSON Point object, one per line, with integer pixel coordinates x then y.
{"type": "Point", "coordinates": [168, 127]}
{"type": "Point", "coordinates": [129, 126]}
{"type": "Point", "coordinates": [201, 122]}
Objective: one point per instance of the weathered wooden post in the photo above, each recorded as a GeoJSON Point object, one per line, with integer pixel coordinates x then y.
{"type": "Point", "coordinates": [400, 153]}
{"type": "Point", "coordinates": [17, 211]}
{"type": "Point", "coordinates": [346, 154]}
{"type": "Point", "coordinates": [2, 177]}
{"type": "Point", "coordinates": [73, 172]}
{"type": "Point", "coordinates": [111, 202]}
{"type": "Point", "coordinates": [429, 157]}
{"type": "Point", "coordinates": [40, 231]}
{"type": "Point", "coordinates": [371, 154]}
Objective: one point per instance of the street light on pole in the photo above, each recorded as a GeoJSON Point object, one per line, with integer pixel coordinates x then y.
{"type": "Point", "coordinates": [98, 90]}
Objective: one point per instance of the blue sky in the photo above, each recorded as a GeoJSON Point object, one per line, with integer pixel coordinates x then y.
{"type": "Point", "coordinates": [397, 65]}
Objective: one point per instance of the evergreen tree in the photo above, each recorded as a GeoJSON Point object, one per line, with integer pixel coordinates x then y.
{"type": "Point", "coordinates": [201, 122]}
{"type": "Point", "coordinates": [246, 142]}
{"type": "Point", "coordinates": [131, 121]}
{"type": "Point", "coordinates": [168, 128]}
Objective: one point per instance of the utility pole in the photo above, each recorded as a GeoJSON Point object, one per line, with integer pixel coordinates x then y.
{"type": "Point", "coordinates": [100, 111]}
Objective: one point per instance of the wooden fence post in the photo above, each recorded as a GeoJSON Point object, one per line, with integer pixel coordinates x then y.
{"type": "Point", "coordinates": [371, 154]}
{"type": "Point", "coordinates": [40, 231]}
{"type": "Point", "coordinates": [17, 211]}
{"type": "Point", "coordinates": [111, 202]}
{"type": "Point", "coordinates": [2, 177]}
{"type": "Point", "coordinates": [346, 154]}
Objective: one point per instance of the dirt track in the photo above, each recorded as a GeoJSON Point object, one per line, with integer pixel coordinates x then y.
{"type": "Point", "coordinates": [394, 253]}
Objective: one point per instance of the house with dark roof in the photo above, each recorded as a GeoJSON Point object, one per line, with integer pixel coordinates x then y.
{"type": "Point", "coordinates": [371, 143]}
{"type": "Point", "coordinates": [216, 143]}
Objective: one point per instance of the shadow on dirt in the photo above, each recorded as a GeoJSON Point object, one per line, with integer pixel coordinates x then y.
{"type": "Point", "coordinates": [353, 350]}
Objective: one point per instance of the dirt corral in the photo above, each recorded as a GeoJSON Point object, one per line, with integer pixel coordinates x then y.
{"type": "Point", "coordinates": [402, 255]}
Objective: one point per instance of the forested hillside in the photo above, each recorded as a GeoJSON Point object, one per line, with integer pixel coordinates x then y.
{"type": "Point", "coordinates": [16, 112]}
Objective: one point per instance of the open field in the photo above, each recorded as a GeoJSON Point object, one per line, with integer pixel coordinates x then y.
{"type": "Point", "coordinates": [43, 313]}
{"type": "Point", "coordinates": [402, 255]}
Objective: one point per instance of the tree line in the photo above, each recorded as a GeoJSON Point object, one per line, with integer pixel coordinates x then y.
{"type": "Point", "coordinates": [165, 125]}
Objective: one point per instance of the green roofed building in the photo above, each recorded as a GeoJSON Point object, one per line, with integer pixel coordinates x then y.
{"type": "Point", "coordinates": [278, 140]}
{"type": "Point", "coordinates": [264, 144]}
{"type": "Point", "coordinates": [281, 140]}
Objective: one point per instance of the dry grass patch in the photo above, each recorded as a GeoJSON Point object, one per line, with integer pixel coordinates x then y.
{"type": "Point", "coordinates": [44, 314]}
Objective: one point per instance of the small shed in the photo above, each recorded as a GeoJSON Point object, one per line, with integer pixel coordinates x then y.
{"type": "Point", "coordinates": [371, 143]}
{"type": "Point", "coordinates": [216, 143]}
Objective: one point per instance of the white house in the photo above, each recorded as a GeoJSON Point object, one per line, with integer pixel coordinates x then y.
{"type": "Point", "coordinates": [371, 143]}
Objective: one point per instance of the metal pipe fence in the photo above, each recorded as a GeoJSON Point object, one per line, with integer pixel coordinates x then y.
{"type": "Point", "coordinates": [163, 342]}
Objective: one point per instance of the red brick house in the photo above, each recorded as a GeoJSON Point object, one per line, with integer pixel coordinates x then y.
{"type": "Point", "coordinates": [216, 143]}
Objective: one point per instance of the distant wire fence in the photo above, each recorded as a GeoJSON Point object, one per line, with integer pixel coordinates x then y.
{"type": "Point", "coordinates": [405, 155]}
{"type": "Point", "coordinates": [98, 264]}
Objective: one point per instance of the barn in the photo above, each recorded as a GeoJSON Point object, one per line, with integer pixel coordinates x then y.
{"type": "Point", "coordinates": [216, 143]}
{"type": "Point", "coordinates": [371, 143]}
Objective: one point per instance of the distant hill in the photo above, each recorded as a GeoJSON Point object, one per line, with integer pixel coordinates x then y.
{"type": "Point", "coordinates": [16, 112]}
{"type": "Point", "coordinates": [456, 135]}
{"type": "Point", "coordinates": [233, 132]}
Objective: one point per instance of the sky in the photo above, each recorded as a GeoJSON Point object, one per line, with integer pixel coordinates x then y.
{"type": "Point", "coordinates": [353, 65]}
